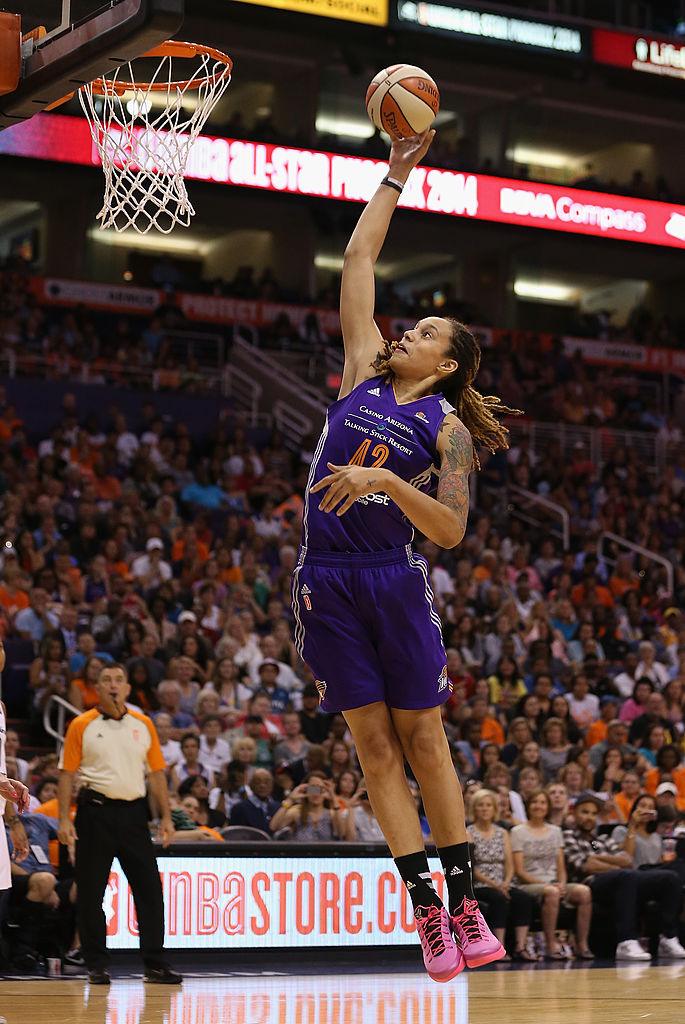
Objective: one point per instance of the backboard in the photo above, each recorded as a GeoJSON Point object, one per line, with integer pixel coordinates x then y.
{"type": "Point", "coordinates": [79, 43]}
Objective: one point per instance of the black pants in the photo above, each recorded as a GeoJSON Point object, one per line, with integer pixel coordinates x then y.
{"type": "Point", "coordinates": [499, 911]}
{"type": "Point", "coordinates": [628, 890]}
{"type": "Point", "coordinates": [112, 829]}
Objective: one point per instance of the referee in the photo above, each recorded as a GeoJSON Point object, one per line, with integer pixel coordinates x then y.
{"type": "Point", "coordinates": [113, 747]}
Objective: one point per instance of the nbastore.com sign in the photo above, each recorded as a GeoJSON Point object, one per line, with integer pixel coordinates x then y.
{"type": "Point", "coordinates": [307, 172]}
{"type": "Point", "coordinates": [271, 902]}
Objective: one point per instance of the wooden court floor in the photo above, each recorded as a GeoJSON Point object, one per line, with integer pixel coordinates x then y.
{"type": "Point", "coordinates": [655, 995]}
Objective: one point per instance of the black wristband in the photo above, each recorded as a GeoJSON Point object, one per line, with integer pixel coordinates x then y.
{"type": "Point", "coordinates": [391, 183]}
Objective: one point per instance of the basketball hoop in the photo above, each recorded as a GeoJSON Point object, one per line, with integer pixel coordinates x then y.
{"type": "Point", "coordinates": [145, 150]}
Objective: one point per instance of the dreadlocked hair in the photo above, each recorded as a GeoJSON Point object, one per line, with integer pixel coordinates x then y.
{"type": "Point", "coordinates": [479, 413]}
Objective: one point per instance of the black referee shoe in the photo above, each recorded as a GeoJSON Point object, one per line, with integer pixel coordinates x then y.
{"type": "Point", "coordinates": [99, 977]}
{"type": "Point", "coordinates": [162, 976]}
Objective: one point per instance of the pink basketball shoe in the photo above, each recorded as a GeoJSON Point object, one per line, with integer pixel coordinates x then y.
{"type": "Point", "coordinates": [441, 955]}
{"type": "Point", "coordinates": [475, 939]}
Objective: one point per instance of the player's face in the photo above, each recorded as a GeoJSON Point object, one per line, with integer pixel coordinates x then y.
{"type": "Point", "coordinates": [423, 352]}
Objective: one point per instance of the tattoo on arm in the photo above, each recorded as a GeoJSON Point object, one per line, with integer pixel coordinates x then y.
{"type": "Point", "coordinates": [457, 462]}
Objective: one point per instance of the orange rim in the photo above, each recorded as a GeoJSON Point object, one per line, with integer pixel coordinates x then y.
{"type": "Point", "coordinates": [103, 87]}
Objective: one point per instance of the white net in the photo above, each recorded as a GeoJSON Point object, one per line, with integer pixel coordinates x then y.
{"type": "Point", "coordinates": [144, 136]}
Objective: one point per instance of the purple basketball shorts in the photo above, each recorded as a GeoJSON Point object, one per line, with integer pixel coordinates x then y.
{"type": "Point", "coordinates": [366, 626]}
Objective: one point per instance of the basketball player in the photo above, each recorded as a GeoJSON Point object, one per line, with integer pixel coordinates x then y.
{"type": "Point", "coordinates": [11, 793]}
{"type": "Point", "coordinates": [365, 622]}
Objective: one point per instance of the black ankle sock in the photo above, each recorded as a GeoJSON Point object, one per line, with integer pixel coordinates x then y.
{"type": "Point", "coordinates": [456, 863]}
{"type": "Point", "coordinates": [415, 874]}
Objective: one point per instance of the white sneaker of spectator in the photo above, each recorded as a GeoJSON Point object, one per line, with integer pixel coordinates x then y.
{"type": "Point", "coordinates": [631, 949]}
{"type": "Point", "coordinates": [670, 949]}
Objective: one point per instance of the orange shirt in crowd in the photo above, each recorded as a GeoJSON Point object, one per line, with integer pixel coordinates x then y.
{"type": "Point", "coordinates": [179, 549]}
{"type": "Point", "coordinates": [15, 601]}
{"type": "Point", "coordinates": [579, 595]}
{"type": "Point", "coordinates": [89, 694]}
{"type": "Point", "coordinates": [623, 803]}
{"type": "Point", "coordinates": [51, 810]}
{"type": "Point", "coordinates": [492, 732]}
{"type": "Point", "coordinates": [596, 733]}
{"type": "Point", "coordinates": [653, 779]}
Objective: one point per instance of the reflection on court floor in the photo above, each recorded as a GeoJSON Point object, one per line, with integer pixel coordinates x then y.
{"type": "Point", "coordinates": [502, 996]}
{"type": "Point", "coordinates": [375, 999]}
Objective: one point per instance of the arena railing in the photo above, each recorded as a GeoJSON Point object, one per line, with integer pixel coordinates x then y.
{"type": "Point", "coordinates": [59, 709]}
{"type": "Point", "coordinates": [650, 556]}
{"type": "Point", "coordinates": [528, 499]}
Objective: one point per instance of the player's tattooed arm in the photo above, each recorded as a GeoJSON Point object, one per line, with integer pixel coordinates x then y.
{"type": "Point", "coordinates": [456, 450]}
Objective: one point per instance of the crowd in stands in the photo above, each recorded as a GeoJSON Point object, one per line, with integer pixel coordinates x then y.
{"type": "Point", "coordinates": [531, 371]}
{"type": "Point", "coordinates": [139, 543]}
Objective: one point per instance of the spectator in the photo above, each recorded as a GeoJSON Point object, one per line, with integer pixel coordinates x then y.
{"type": "Point", "coordinates": [306, 814]}
{"type": "Point", "coordinates": [668, 769]}
{"type": "Point", "coordinates": [34, 622]}
{"type": "Point", "coordinates": [257, 808]}
{"type": "Point", "coordinates": [268, 672]}
{"type": "Point", "coordinates": [609, 774]}
{"type": "Point", "coordinates": [598, 861]}
{"type": "Point", "coordinates": [21, 767]}
{"type": "Point", "coordinates": [628, 792]}
{"type": "Point", "coordinates": [639, 837]}
{"type": "Point", "coordinates": [363, 826]}
{"type": "Point", "coordinates": [171, 749]}
{"type": "Point", "coordinates": [150, 569]}
{"type": "Point", "coordinates": [346, 786]}
{"type": "Point", "coordinates": [169, 695]}
{"type": "Point", "coordinates": [654, 713]}
{"type": "Point", "coordinates": [584, 705]}
{"type": "Point", "coordinates": [498, 779]}
{"type": "Point", "coordinates": [554, 749]}
{"type": "Point", "coordinates": [538, 850]}
{"type": "Point", "coordinates": [49, 673]}
{"type": "Point", "coordinates": [617, 736]}
{"type": "Point", "coordinates": [519, 734]}
{"type": "Point", "coordinates": [214, 752]}
{"type": "Point", "coordinates": [293, 746]}
{"type": "Point", "coordinates": [559, 805]}
{"type": "Point", "coordinates": [576, 779]}
{"type": "Point", "coordinates": [608, 711]}
{"type": "Point", "coordinates": [190, 765]}
{"type": "Point", "coordinates": [493, 871]}
{"type": "Point", "coordinates": [653, 741]}
{"type": "Point", "coordinates": [315, 722]}
{"type": "Point", "coordinates": [82, 690]}
{"type": "Point", "coordinates": [651, 668]}
{"type": "Point", "coordinates": [636, 705]}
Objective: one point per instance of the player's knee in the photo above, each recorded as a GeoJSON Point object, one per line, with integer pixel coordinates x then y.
{"type": "Point", "coordinates": [427, 748]}
{"type": "Point", "coordinates": [378, 753]}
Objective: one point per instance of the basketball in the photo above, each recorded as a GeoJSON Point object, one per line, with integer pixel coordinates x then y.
{"type": "Point", "coordinates": [402, 100]}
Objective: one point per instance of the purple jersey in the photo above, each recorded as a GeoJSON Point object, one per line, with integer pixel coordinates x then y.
{"type": "Point", "coordinates": [370, 428]}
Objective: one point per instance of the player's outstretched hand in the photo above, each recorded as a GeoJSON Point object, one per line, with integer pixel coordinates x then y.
{"type": "Point", "coordinates": [405, 154]}
{"type": "Point", "coordinates": [347, 483]}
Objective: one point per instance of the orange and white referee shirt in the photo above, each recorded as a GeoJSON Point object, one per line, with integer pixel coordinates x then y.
{"type": "Point", "coordinates": [113, 757]}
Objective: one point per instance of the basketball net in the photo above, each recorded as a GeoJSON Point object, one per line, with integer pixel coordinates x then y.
{"type": "Point", "coordinates": [144, 134]}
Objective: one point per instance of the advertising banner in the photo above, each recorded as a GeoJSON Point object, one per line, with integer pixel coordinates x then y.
{"type": "Point", "coordinates": [305, 172]}
{"type": "Point", "coordinates": [271, 902]}
{"type": "Point", "coordinates": [490, 27]}
{"type": "Point", "coordinates": [216, 309]}
{"type": "Point", "coordinates": [651, 54]}
{"type": "Point", "coordinates": [366, 12]}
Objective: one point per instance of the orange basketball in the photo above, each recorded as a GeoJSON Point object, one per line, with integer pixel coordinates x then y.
{"type": "Point", "coordinates": [402, 100]}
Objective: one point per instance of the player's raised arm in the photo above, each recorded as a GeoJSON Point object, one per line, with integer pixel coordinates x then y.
{"type": "Point", "coordinates": [357, 294]}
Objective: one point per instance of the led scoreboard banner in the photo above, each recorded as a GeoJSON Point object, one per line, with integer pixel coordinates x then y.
{"type": "Point", "coordinates": [307, 172]}
{"type": "Point", "coordinates": [490, 27]}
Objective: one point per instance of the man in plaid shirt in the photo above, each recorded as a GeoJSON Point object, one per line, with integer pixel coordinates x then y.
{"type": "Point", "coordinates": [606, 866]}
